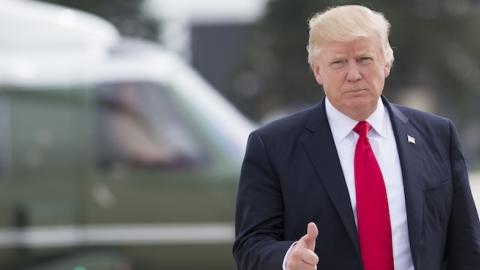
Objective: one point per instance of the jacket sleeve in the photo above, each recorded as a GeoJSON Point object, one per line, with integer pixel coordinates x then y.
{"type": "Point", "coordinates": [259, 212]}
{"type": "Point", "coordinates": [463, 239]}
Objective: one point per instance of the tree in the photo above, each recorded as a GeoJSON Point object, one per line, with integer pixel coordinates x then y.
{"type": "Point", "coordinates": [275, 59]}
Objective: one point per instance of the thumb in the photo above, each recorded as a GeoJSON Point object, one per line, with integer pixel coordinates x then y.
{"type": "Point", "coordinates": [309, 239]}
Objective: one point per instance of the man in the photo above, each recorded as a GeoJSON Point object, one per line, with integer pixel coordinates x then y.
{"type": "Point", "coordinates": [355, 182]}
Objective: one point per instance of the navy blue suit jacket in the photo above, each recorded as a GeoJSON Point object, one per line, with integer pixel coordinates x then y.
{"type": "Point", "coordinates": [291, 175]}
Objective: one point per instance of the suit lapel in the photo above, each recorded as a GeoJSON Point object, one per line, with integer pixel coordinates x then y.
{"type": "Point", "coordinates": [322, 152]}
{"type": "Point", "coordinates": [410, 153]}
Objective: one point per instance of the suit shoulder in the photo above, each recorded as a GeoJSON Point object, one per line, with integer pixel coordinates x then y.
{"type": "Point", "coordinates": [288, 124]}
{"type": "Point", "coordinates": [422, 117]}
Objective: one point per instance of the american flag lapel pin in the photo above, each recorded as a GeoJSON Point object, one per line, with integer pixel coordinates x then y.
{"type": "Point", "coordinates": [410, 139]}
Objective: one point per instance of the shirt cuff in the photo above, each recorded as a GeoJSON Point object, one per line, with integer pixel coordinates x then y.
{"type": "Point", "coordinates": [284, 264]}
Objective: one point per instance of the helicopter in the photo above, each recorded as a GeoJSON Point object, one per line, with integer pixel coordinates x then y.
{"type": "Point", "coordinates": [114, 153]}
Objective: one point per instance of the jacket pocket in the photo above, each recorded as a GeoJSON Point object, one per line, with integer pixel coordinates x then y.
{"type": "Point", "coordinates": [438, 203]}
{"type": "Point", "coordinates": [441, 190]}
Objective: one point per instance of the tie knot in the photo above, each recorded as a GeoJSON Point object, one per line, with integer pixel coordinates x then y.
{"type": "Point", "coordinates": [362, 128]}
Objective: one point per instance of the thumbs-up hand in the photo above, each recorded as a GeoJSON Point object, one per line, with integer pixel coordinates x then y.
{"type": "Point", "coordinates": [302, 256]}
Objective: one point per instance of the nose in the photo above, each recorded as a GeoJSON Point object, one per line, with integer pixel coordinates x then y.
{"type": "Point", "coordinates": [353, 72]}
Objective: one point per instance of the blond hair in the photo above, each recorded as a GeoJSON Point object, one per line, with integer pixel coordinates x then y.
{"type": "Point", "coordinates": [347, 23]}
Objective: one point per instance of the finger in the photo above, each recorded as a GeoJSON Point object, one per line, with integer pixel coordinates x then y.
{"type": "Point", "coordinates": [301, 258]}
{"type": "Point", "coordinates": [309, 257]}
{"type": "Point", "coordinates": [301, 266]}
{"type": "Point", "coordinates": [312, 232]}
{"type": "Point", "coordinates": [309, 239]}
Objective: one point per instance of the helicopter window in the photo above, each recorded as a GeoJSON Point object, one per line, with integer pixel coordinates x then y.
{"type": "Point", "coordinates": [138, 125]}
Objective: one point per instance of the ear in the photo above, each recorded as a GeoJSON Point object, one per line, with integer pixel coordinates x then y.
{"type": "Point", "coordinates": [316, 72]}
{"type": "Point", "coordinates": [386, 70]}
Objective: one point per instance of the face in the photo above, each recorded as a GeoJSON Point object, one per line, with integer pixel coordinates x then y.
{"type": "Point", "coordinates": [352, 75]}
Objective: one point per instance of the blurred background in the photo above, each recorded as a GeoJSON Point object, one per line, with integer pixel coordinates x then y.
{"type": "Point", "coordinates": [253, 51]}
{"type": "Point", "coordinates": [185, 70]}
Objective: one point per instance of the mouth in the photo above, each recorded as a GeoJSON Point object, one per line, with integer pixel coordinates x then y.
{"type": "Point", "coordinates": [355, 91]}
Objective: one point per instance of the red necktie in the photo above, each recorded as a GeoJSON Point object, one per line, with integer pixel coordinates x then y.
{"type": "Point", "coordinates": [373, 218]}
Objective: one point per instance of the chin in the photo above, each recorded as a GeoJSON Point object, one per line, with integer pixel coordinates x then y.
{"type": "Point", "coordinates": [361, 102]}
{"type": "Point", "coordinates": [362, 107]}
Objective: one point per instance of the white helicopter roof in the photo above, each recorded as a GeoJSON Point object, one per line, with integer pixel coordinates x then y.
{"type": "Point", "coordinates": [29, 25]}
{"type": "Point", "coordinates": [40, 40]}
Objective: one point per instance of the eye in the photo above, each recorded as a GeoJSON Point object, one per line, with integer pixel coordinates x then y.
{"type": "Point", "coordinates": [338, 63]}
{"type": "Point", "coordinates": [364, 60]}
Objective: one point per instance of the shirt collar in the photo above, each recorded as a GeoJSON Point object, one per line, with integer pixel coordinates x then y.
{"type": "Point", "coordinates": [341, 125]}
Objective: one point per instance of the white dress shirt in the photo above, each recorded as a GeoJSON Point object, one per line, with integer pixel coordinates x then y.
{"type": "Point", "coordinates": [383, 143]}
{"type": "Point", "coordinates": [382, 135]}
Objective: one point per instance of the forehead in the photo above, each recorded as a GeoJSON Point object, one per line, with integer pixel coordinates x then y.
{"type": "Point", "coordinates": [357, 46]}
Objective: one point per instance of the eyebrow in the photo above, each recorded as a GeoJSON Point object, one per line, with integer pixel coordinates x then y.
{"type": "Point", "coordinates": [336, 55]}
{"type": "Point", "coordinates": [366, 51]}
{"type": "Point", "coordinates": [361, 50]}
